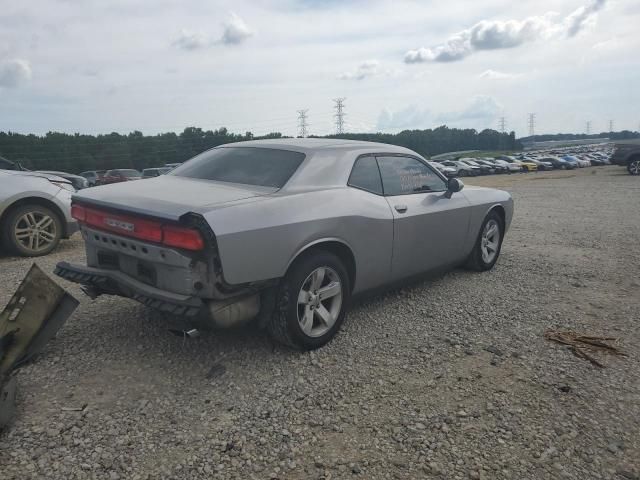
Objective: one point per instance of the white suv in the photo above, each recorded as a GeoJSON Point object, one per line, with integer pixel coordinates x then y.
{"type": "Point", "coordinates": [35, 211]}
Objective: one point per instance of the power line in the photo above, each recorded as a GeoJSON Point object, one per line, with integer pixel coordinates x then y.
{"type": "Point", "coordinates": [502, 124]}
{"type": "Point", "coordinates": [302, 123]}
{"type": "Point", "coordinates": [532, 124]}
{"type": "Point", "coordinates": [339, 115]}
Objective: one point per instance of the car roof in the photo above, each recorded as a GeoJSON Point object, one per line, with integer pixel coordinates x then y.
{"type": "Point", "coordinates": [309, 145]}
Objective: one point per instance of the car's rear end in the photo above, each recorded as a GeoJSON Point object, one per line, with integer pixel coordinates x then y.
{"type": "Point", "coordinates": [156, 261]}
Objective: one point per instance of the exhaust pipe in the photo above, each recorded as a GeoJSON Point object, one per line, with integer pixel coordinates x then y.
{"type": "Point", "coordinates": [233, 312]}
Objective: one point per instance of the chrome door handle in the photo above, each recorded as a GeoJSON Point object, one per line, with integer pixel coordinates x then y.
{"type": "Point", "coordinates": [401, 208]}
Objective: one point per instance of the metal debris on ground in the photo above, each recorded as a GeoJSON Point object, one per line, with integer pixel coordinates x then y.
{"type": "Point", "coordinates": [583, 346]}
{"type": "Point", "coordinates": [32, 317]}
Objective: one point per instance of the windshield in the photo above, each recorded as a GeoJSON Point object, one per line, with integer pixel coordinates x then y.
{"type": "Point", "coordinates": [264, 167]}
{"type": "Point", "coordinates": [129, 173]}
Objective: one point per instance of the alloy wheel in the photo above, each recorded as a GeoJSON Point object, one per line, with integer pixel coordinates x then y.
{"type": "Point", "coordinates": [490, 241]}
{"type": "Point", "coordinates": [319, 301]}
{"type": "Point", "coordinates": [634, 167]}
{"type": "Point", "coordinates": [35, 231]}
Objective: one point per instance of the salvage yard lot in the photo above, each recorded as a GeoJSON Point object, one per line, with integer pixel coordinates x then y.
{"type": "Point", "coordinates": [450, 377]}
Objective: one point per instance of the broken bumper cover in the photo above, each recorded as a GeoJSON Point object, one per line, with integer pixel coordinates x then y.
{"type": "Point", "coordinates": [117, 283]}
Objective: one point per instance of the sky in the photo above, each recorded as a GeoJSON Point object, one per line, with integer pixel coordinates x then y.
{"type": "Point", "coordinates": [92, 66]}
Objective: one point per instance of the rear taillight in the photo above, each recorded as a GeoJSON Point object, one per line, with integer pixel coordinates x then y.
{"type": "Point", "coordinates": [78, 212]}
{"type": "Point", "coordinates": [182, 237]}
{"type": "Point", "coordinates": [142, 229]}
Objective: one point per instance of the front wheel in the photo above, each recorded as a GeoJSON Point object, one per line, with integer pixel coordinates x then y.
{"type": "Point", "coordinates": [311, 301]}
{"type": "Point", "coordinates": [488, 244]}
{"type": "Point", "coordinates": [32, 230]}
{"type": "Point", "coordinates": [634, 167]}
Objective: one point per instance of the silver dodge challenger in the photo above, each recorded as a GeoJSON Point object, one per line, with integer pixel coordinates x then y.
{"type": "Point", "coordinates": [283, 232]}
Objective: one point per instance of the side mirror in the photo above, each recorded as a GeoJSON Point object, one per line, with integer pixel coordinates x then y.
{"type": "Point", "coordinates": [454, 185]}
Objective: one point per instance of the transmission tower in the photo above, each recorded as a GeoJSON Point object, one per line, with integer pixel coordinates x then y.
{"type": "Point", "coordinates": [502, 123]}
{"type": "Point", "coordinates": [302, 123]}
{"type": "Point", "coordinates": [532, 124]}
{"type": "Point", "coordinates": [339, 115]}
{"type": "Point", "coordinates": [588, 127]}
{"type": "Point", "coordinates": [611, 125]}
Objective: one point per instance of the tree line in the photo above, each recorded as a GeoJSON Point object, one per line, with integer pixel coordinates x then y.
{"type": "Point", "coordinates": [77, 152]}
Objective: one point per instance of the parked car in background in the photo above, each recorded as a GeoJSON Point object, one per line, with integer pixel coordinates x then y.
{"type": "Point", "coordinates": [497, 168]}
{"type": "Point", "coordinates": [542, 164]}
{"type": "Point", "coordinates": [511, 167]}
{"type": "Point", "coordinates": [481, 169]}
{"type": "Point", "coordinates": [446, 171]}
{"type": "Point", "coordinates": [462, 169]}
{"type": "Point", "coordinates": [172, 165]}
{"type": "Point", "coordinates": [558, 163]}
{"type": "Point", "coordinates": [511, 160]}
{"type": "Point", "coordinates": [35, 212]}
{"type": "Point", "coordinates": [155, 172]}
{"type": "Point", "coordinates": [77, 181]}
{"type": "Point", "coordinates": [93, 176]}
{"type": "Point", "coordinates": [573, 160]}
{"type": "Point", "coordinates": [528, 166]}
{"type": "Point", "coordinates": [283, 229]}
{"type": "Point", "coordinates": [120, 175]}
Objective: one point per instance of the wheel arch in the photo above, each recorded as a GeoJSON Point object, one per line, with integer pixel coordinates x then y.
{"type": "Point", "coordinates": [633, 156]}
{"type": "Point", "coordinates": [338, 247]}
{"type": "Point", "coordinates": [43, 202]}
{"type": "Point", "coordinates": [499, 209]}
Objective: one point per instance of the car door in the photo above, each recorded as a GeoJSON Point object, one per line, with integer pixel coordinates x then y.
{"type": "Point", "coordinates": [430, 228]}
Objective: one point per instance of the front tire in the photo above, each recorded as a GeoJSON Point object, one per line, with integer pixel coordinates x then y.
{"type": "Point", "coordinates": [32, 230]}
{"type": "Point", "coordinates": [634, 167]}
{"type": "Point", "coordinates": [487, 248]}
{"type": "Point", "coordinates": [311, 301]}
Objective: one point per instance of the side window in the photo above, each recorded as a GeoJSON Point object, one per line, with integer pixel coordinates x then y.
{"type": "Point", "coordinates": [366, 176]}
{"type": "Point", "coordinates": [403, 175]}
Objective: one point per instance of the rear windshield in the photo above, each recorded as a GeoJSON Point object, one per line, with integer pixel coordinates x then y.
{"type": "Point", "coordinates": [264, 167]}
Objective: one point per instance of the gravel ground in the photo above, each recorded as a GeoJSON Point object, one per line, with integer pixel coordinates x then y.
{"type": "Point", "coordinates": [449, 378]}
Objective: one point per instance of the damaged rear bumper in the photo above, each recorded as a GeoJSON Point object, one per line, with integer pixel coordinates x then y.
{"type": "Point", "coordinates": [114, 282]}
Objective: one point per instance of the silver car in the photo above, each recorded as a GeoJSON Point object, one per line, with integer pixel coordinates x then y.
{"type": "Point", "coordinates": [283, 231]}
{"type": "Point", "coordinates": [35, 212]}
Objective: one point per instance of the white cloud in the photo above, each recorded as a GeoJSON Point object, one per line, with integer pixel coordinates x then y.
{"type": "Point", "coordinates": [482, 108]}
{"type": "Point", "coordinates": [188, 40]}
{"type": "Point", "coordinates": [497, 34]}
{"type": "Point", "coordinates": [583, 17]}
{"type": "Point", "coordinates": [480, 112]}
{"type": "Point", "coordinates": [368, 68]}
{"type": "Point", "coordinates": [14, 73]}
{"type": "Point", "coordinates": [495, 75]}
{"type": "Point", "coordinates": [410, 117]}
{"type": "Point", "coordinates": [235, 31]}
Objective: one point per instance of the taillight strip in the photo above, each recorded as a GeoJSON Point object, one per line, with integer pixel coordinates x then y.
{"type": "Point", "coordinates": [149, 230]}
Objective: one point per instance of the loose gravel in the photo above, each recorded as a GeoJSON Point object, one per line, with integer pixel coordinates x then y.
{"type": "Point", "coordinates": [448, 378]}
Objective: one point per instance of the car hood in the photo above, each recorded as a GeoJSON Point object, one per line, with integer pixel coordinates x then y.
{"type": "Point", "coordinates": [48, 176]}
{"type": "Point", "coordinates": [169, 196]}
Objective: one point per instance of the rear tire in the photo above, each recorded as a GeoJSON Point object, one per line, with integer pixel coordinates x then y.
{"type": "Point", "coordinates": [303, 318]}
{"type": "Point", "coordinates": [488, 244]}
{"type": "Point", "coordinates": [31, 230]}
